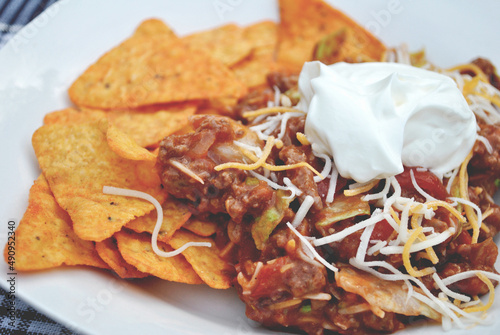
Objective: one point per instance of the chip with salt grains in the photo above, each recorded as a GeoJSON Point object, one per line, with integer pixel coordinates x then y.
{"type": "Point", "coordinates": [213, 270]}
{"type": "Point", "coordinates": [225, 43]}
{"type": "Point", "coordinates": [305, 22]}
{"type": "Point", "coordinates": [108, 251]}
{"type": "Point", "coordinates": [77, 162]}
{"type": "Point", "coordinates": [45, 237]}
{"type": "Point", "coordinates": [174, 216]}
{"type": "Point", "coordinates": [136, 250]}
{"type": "Point", "coordinates": [149, 69]}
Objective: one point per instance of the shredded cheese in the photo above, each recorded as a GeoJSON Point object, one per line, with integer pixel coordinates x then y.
{"type": "Point", "coordinates": [181, 167]}
{"type": "Point", "coordinates": [265, 153]}
{"type": "Point", "coordinates": [159, 220]}
{"type": "Point", "coordinates": [332, 184]}
{"type": "Point", "coordinates": [376, 217]}
{"type": "Point", "coordinates": [274, 168]}
{"type": "Point", "coordinates": [491, 298]}
{"type": "Point", "coordinates": [302, 211]}
{"type": "Point", "coordinates": [308, 245]}
{"type": "Point", "coordinates": [302, 139]}
{"type": "Point", "coordinates": [464, 194]}
{"type": "Point", "coordinates": [470, 67]}
{"type": "Point", "coordinates": [270, 110]}
{"type": "Point", "coordinates": [406, 257]}
{"type": "Point", "coordinates": [358, 189]}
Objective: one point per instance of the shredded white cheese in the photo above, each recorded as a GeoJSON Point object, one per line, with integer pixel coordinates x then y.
{"type": "Point", "coordinates": [159, 220]}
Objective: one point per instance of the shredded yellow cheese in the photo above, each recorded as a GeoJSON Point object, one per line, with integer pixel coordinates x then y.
{"type": "Point", "coordinates": [279, 144]}
{"type": "Point", "coordinates": [464, 194]}
{"type": "Point", "coordinates": [257, 164]}
{"type": "Point", "coordinates": [270, 110]}
{"type": "Point", "coordinates": [362, 189]}
{"type": "Point", "coordinates": [491, 298]}
{"type": "Point", "coordinates": [282, 167]}
{"type": "Point", "coordinates": [470, 67]}
{"type": "Point", "coordinates": [438, 203]}
{"type": "Point", "coordinates": [406, 256]}
{"type": "Point", "coordinates": [395, 216]}
{"type": "Point", "coordinates": [430, 251]}
{"type": "Point", "coordinates": [302, 139]}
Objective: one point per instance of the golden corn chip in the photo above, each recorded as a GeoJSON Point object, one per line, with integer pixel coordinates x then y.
{"type": "Point", "coordinates": [136, 250]}
{"type": "Point", "coordinates": [201, 228]}
{"type": "Point", "coordinates": [305, 22]}
{"type": "Point", "coordinates": [226, 43]}
{"type": "Point", "coordinates": [108, 251]}
{"type": "Point", "coordinates": [124, 146]}
{"type": "Point", "coordinates": [77, 162]}
{"type": "Point", "coordinates": [218, 107]}
{"type": "Point", "coordinates": [253, 72]}
{"type": "Point", "coordinates": [174, 216]}
{"type": "Point", "coordinates": [206, 262]}
{"type": "Point", "coordinates": [146, 127]}
{"type": "Point", "coordinates": [45, 238]}
{"type": "Point", "coordinates": [152, 27]}
{"type": "Point", "coordinates": [73, 116]}
{"type": "Point", "coordinates": [149, 69]}
{"type": "Point", "coordinates": [149, 128]}
{"type": "Point", "coordinates": [254, 69]}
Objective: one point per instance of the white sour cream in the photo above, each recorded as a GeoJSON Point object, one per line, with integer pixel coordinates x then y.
{"type": "Point", "coordinates": [373, 118]}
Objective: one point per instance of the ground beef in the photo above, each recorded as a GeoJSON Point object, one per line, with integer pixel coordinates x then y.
{"type": "Point", "coordinates": [302, 177]}
{"type": "Point", "coordinates": [466, 257]}
{"type": "Point", "coordinates": [483, 162]}
{"type": "Point", "coordinates": [489, 70]}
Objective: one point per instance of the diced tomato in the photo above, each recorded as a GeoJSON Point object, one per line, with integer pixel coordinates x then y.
{"type": "Point", "coordinates": [270, 278]}
{"type": "Point", "coordinates": [382, 231]}
{"type": "Point", "coordinates": [427, 181]}
{"type": "Point", "coordinates": [464, 238]}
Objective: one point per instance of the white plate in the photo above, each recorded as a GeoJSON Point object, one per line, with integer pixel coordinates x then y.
{"type": "Point", "coordinates": [39, 64]}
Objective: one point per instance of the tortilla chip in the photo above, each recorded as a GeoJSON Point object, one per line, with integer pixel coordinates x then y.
{"type": "Point", "coordinates": [45, 238]}
{"type": "Point", "coordinates": [146, 127]}
{"type": "Point", "coordinates": [305, 22]}
{"type": "Point", "coordinates": [77, 162]}
{"type": "Point", "coordinates": [253, 71]}
{"type": "Point", "coordinates": [226, 43]}
{"type": "Point", "coordinates": [136, 250]}
{"type": "Point", "coordinates": [206, 262]}
{"type": "Point", "coordinates": [124, 146]}
{"type": "Point", "coordinates": [174, 216]}
{"type": "Point", "coordinates": [151, 69]}
{"type": "Point", "coordinates": [108, 251]}
{"type": "Point", "coordinates": [73, 116]}
{"type": "Point", "coordinates": [152, 27]}
{"type": "Point", "coordinates": [149, 128]}
{"type": "Point", "coordinates": [201, 228]}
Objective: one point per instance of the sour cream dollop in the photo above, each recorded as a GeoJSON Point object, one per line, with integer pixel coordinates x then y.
{"type": "Point", "coordinates": [373, 118]}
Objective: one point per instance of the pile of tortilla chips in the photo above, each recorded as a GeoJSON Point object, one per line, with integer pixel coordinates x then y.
{"type": "Point", "coordinates": [139, 92]}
